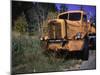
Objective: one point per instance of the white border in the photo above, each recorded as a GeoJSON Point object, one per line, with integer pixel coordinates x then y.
{"type": "Point", "coordinates": [5, 36]}
{"type": "Point", "coordinates": [87, 2]}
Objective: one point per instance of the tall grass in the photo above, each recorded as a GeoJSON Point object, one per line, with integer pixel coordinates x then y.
{"type": "Point", "coordinates": [28, 56]}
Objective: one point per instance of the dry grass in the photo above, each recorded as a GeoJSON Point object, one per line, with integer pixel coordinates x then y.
{"type": "Point", "coordinates": [28, 56]}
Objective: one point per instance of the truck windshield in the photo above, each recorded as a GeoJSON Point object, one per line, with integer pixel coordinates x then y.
{"type": "Point", "coordinates": [71, 16]}
{"type": "Point", "coordinates": [74, 16]}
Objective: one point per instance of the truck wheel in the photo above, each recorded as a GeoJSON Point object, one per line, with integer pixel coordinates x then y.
{"type": "Point", "coordinates": [85, 50]}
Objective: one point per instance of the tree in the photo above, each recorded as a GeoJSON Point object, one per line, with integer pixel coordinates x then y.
{"type": "Point", "coordinates": [21, 24]}
{"type": "Point", "coordinates": [82, 7]}
{"type": "Point", "coordinates": [34, 13]}
{"type": "Point", "coordinates": [63, 8]}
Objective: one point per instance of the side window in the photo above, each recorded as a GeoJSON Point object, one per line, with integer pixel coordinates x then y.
{"type": "Point", "coordinates": [64, 16]}
{"type": "Point", "coordinates": [84, 18]}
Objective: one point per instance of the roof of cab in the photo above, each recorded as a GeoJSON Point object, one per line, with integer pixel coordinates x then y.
{"type": "Point", "coordinates": [72, 11]}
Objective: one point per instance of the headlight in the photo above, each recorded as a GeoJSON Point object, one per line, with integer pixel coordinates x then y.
{"type": "Point", "coordinates": [78, 35]}
{"type": "Point", "coordinates": [46, 37]}
{"type": "Point", "coordinates": [41, 38]}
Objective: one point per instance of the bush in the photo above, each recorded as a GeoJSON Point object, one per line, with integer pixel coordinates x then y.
{"type": "Point", "coordinates": [28, 56]}
{"type": "Point", "coordinates": [20, 24]}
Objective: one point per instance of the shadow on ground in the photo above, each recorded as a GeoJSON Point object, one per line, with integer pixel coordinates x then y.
{"type": "Point", "coordinates": [64, 54]}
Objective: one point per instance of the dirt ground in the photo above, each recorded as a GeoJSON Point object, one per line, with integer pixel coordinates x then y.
{"type": "Point", "coordinates": [91, 63]}
{"type": "Point", "coordinates": [86, 65]}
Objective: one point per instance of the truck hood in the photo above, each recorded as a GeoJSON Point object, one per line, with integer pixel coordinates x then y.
{"type": "Point", "coordinates": [69, 28]}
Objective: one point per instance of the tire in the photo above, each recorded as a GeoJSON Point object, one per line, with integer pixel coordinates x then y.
{"type": "Point", "coordinates": [85, 50]}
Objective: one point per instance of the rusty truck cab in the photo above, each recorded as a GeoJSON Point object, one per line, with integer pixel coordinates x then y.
{"type": "Point", "coordinates": [69, 32]}
{"type": "Point", "coordinates": [65, 31]}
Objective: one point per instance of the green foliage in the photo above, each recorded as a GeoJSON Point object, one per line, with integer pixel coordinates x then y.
{"type": "Point", "coordinates": [29, 56]}
{"type": "Point", "coordinates": [52, 8]}
{"type": "Point", "coordinates": [52, 15]}
{"type": "Point", "coordinates": [32, 16]}
{"type": "Point", "coordinates": [20, 24]}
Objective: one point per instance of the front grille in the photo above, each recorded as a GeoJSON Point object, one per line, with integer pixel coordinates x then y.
{"type": "Point", "coordinates": [54, 31]}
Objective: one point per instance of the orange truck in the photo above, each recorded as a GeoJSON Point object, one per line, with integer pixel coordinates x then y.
{"type": "Point", "coordinates": [69, 32]}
